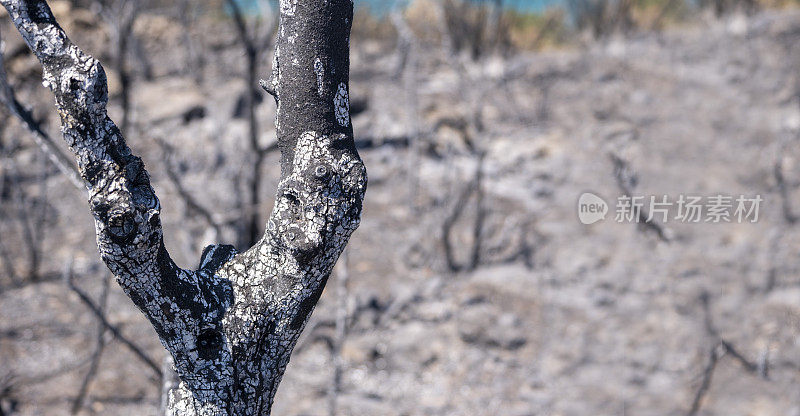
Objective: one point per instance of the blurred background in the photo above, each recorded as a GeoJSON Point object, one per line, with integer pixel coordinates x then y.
{"type": "Point", "coordinates": [471, 287]}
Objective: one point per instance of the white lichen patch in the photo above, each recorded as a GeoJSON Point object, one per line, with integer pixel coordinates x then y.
{"type": "Point", "coordinates": [319, 69]}
{"type": "Point", "coordinates": [341, 105]}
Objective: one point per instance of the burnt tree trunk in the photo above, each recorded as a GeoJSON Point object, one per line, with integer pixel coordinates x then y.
{"type": "Point", "coordinates": [230, 326]}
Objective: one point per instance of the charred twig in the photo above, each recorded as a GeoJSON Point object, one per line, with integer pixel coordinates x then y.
{"type": "Point", "coordinates": [473, 187]}
{"type": "Point", "coordinates": [255, 41]}
{"type": "Point", "coordinates": [789, 216]}
{"type": "Point", "coordinates": [783, 190]}
{"type": "Point", "coordinates": [29, 237]}
{"type": "Point", "coordinates": [624, 175]}
{"type": "Point", "coordinates": [720, 348]}
{"type": "Point", "coordinates": [627, 180]}
{"type": "Point", "coordinates": [139, 52]}
{"type": "Point", "coordinates": [8, 265]}
{"type": "Point", "coordinates": [30, 228]}
{"type": "Point", "coordinates": [727, 347]}
{"type": "Point", "coordinates": [449, 222]}
{"type": "Point", "coordinates": [705, 384]}
{"type": "Point", "coordinates": [5, 256]}
{"type": "Point", "coordinates": [120, 15]}
{"type": "Point", "coordinates": [527, 250]}
{"type": "Point", "coordinates": [407, 45]}
{"type": "Point", "coordinates": [100, 345]}
{"type": "Point", "coordinates": [101, 317]}
{"type": "Point", "coordinates": [191, 203]}
{"type": "Point", "coordinates": [41, 138]}
{"type": "Point", "coordinates": [748, 365]}
{"type": "Point", "coordinates": [342, 298]}
{"type": "Point", "coordinates": [510, 249]}
{"type": "Point", "coordinates": [8, 386]}
{"type": "Point", "coordinates": [480, 217]}
{"type": "Point", "coordinates": [772, 270]}
{"type": "Point", "coordinates": [195, 61]}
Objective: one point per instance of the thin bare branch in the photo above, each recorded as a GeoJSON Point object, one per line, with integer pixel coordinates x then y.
{"type": "Point", "coordinates": [253, 48]}
{"type": "Point", "coordinates": [727, 347]}
{"type": "Point", "coordinates": [100, 344]}
{"type": "Point", "coordinates": [40, 137]}
{"type": "Point", "coordinates": [101, 317]}
{"type": "Point", "coordinates": [474, 187]}
{"type": "Point", "coordinates": [626, 181]}
{"type": "Point", "coordinates": [783, 190]}
{"type": "Point", "coordinates": [342, 298]}
{"type": "Point", "coordinates": [705, 384]}
{"type": "Point", "coordinates": [191, 203]}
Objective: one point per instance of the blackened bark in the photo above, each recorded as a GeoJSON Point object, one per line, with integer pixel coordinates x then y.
{"type": "Point", "coordinates": [312, 75]}
{"type": "Point", "coordinates": [230, 325]}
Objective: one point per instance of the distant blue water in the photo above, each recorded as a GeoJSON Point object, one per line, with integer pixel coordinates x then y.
{"type": "Point", "coordinates": [381, 7]}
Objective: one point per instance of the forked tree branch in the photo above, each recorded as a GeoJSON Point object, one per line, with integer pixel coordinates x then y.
{"type": "Point", "coordinates": [230, 325]}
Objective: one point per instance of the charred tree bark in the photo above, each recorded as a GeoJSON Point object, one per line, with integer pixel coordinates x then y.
{"type": "Point", "coordinates": [230, 326]}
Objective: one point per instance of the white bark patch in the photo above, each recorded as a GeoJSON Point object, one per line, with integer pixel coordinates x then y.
{"type": "Point", "coordinates": [341, 104]}
{"type": "Point", "coordinates": [319, 69]}
{"type": "Point", "coordinates": [278, 117]}
{"type": "Point", "coordinates": [288, 7]}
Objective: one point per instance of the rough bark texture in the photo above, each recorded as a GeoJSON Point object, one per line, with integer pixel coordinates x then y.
{"type": "Point", "coordinates": [230, 325]}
